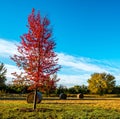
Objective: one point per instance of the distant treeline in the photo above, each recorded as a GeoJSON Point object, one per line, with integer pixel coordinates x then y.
{"type": "Point", "coordinates": [61, 89]}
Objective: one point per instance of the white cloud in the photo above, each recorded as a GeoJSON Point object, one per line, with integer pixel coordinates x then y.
{"type": "Point", "coordinates": [79, 69]}
{"type": "Point", "coordinates": [79, 63]}
{"type": "Point", "coordinates": [74, 71]}
{"type": "Point", "coordinates": [7, 48]}
{"type": "Point", "coordinates": [71, 80]}
{"type": "Point", "coordinates": [11, 69]}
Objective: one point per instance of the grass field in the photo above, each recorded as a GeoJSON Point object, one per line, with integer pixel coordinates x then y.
{"type": "Point", "coordinates": [62, 109]}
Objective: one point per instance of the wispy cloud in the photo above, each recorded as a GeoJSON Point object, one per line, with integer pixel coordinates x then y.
{"type": "Point", "coordinates": [71, 80]}
{"type": "Point", "coordinates": [79, 63]}
{"type": "Point", "coordinates": [76, 70]}
{"type": "Point", "coordinates": [7, 48]}
{"type": "Point", "coordinates": [11, 69]}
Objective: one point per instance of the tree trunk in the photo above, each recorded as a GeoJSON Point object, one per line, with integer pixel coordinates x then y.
{"type": "Point", "coordinates": [35, 99]}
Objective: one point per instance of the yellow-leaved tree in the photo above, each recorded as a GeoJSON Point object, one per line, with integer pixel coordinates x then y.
{"type": "Point", "coordinates": [101, 83]}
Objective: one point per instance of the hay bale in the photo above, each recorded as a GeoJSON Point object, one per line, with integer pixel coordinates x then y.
{"type": "Point", "coordinates": [30, 97]}
{"type": "Point", "coordinates": [80, 96]}
{"type": "Point", "coordinates": [63, 96]}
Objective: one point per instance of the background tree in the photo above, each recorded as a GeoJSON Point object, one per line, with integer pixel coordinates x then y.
{"type": "Point", "coordinates": [36, 56]}
{"type": "Point", "coordinates": [61, 89]}
{"type": "Point", "coordinates": [101, 83]}
{"type": "Point", "coordinates": [71, 90]}
{"type": "Point", "coordinates": [3, 72]}
{"type": "Point", "coordinates": [84, 89]}
{"type": "Point", "coordinates": [116, 90]}
{"type": "Point", "coordinates": [78, 89]}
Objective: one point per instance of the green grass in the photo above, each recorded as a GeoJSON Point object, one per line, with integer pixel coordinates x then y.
{"type": "Point", "coordinates": [61, 109]}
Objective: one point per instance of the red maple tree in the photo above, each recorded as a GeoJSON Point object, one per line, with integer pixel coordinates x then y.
{"type": "Point", "coordinates": [36, 56]}
{"type": "Point", "coordinates": [49, 85]}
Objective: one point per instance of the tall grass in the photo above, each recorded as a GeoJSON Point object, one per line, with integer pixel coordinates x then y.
{"type": "Point", "coordinates": [61, 109]}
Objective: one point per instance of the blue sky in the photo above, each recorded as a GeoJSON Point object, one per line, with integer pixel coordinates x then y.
{"type": "Point", "coordinates": [87, 33]}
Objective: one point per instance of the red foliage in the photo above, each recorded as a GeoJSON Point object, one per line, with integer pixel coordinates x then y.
{"type": "Point", "coordinates": [49, 84]}
{"type": "Point", "coordinates": [36, 56]}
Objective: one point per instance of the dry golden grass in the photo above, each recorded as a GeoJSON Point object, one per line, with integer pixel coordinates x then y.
{"type": "Point", "coordinates": [113, 103]}
{"type": "Point", "coordinates": [60, 109]}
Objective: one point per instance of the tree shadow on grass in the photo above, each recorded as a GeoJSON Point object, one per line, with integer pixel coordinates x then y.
{"type": "Point", "coordinates": [37, 110]}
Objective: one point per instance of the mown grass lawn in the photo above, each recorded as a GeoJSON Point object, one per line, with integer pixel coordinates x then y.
{"type": "Point", "coordinates": [61, 109]}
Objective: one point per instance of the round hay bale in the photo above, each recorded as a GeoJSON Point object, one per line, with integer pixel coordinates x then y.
{"type": "Point", "coordinates": [63, 96]}
{"type": "Point", "coordinates": [80, 96]}
{"type": "Point", "coordinates": [30, 97]}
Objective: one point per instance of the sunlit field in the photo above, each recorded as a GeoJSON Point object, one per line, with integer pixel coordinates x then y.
{"type": "Point", "coordinates": [62, 109]}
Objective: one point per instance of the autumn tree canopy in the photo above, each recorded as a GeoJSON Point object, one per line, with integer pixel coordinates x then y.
{"type": "Point", "coordinates": [49, 85]}
{"type": "Point", "coordinates": [36, 55]}
{"type": "Point", "coordinates": [101, 83]}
